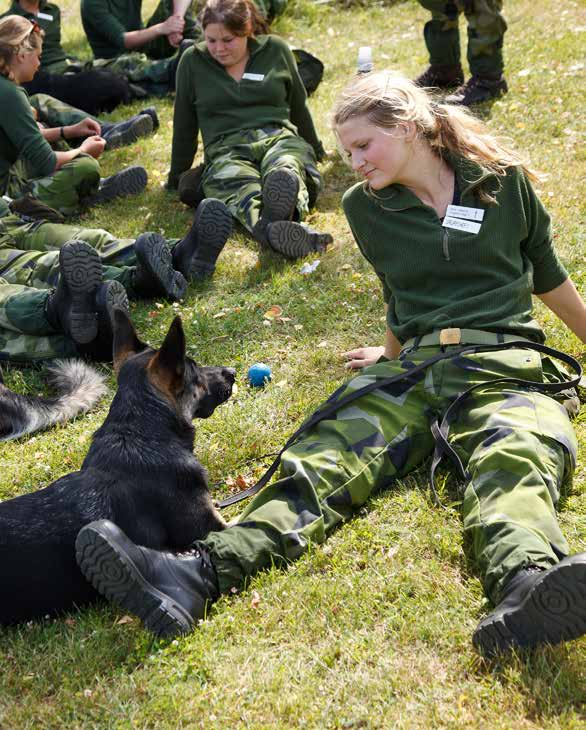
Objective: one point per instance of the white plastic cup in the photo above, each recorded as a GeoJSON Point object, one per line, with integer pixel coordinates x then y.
{"type": "Point", "coordinates": [364, 60]}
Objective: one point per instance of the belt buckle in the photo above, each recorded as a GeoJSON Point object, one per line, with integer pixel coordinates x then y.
{"type": "Point", "coordinates": [450, 336]}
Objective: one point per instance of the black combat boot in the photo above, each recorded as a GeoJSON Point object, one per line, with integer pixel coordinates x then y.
{"type": "Point", "coordinates": [294, 240]}
{"type": "Point", "coordinates": [280, 189]}
{"type": "Point", "coordinates": [71, 307]}
{"type": "Point", "coordinates": [196, 255]}
{"type": "Point", "coordinates": [130, 181]}
{"type": "Point", "coordinates": [539, 606]}
{"type": "Point", "coordinates": [111, 295]}
{"type": "Point", "coordinates": [152, 113]}
{"type": "Point", "coordinates": [478, 89]}
{"type": "Point", "coordinates": [154, 274]}
{"type": "Point", "coordinates": [128, 132]}
{"type": "Point", "coordinates": [441, 76]}
{"type": "Point", "coordinates": [169, 592]}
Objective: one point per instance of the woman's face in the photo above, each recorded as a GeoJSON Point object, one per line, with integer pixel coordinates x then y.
{"type": "Point", "coordinates": [225, 47]}
{"type": "Point", "coordinates": [25, 65]}
{"type": "Point", "coordinates": [381, 156]}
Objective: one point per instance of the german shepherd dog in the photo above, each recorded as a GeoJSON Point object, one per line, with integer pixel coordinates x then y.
{"type": "Point", "coordinates": [140, 472]}
{"type": "Point", "coordinates": [79, 387]}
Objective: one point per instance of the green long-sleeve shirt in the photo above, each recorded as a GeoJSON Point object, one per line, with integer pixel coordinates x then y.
{"type": "Point", "coordinates": [106, 21]}
{"type": "Point", "coordinates": [20, 137]}
{"type": "Point", "coordinates": [270, 93]}
{"type": "Point", "coordinates": [435, 277]}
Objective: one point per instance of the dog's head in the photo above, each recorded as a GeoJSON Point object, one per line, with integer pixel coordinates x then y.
{"type": "Point", "coordinates": [194, 391]}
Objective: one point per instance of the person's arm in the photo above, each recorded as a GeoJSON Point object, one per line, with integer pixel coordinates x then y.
{"type": "Point", "coordinates": [171, 27]}
{"type": "Point", "coordinates": [185, 122]}
{"type": "Point", "coordinates": [567, 304]}
{"type": "Point", "coordinates": [364, 356]}
{"type": "Point", "coordinates": [299, 113]}
{"type": "Point", "coordinates": [85, 128]}
{"type": "Point", "coordinates": [93, 146]}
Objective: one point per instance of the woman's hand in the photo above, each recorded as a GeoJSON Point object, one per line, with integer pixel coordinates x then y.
{"type": "Point", "coordinates": [93, 146]}
{"type": "Point", "coordinates": [172, 26]}
{"type": "Point", "coordinates": [86, 128]}
{"type": "Point", "coordinates": [362, 357]}
{"type": "Point", "coordinates": [175, 39]}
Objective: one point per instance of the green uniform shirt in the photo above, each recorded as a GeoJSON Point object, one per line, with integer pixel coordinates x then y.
{"type": "Point", "coordinates": [49, 19]}
{"type": "Point", "coordinates": [270, 93]}
{"type": "Point", "coordinates": [20, 137]}
{"type": "Point", "coordinates": [435, 277]}
{"type": "Point", "coordinates": [106, 21]}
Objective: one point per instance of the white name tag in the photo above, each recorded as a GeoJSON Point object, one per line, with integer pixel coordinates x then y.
{"type": "Point", "coordinates": [44, 16]}
{"type": "Point", "coordinates": [253, 77]}
{"type": "Point", "coordinates": [462, 211]}
{"type": "Point", "coordinates": [460, 225]}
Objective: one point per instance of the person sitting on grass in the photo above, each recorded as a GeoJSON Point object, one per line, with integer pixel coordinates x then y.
{"type": "Point", "coordinates": [65, 181]}
{"type": "Point", "coordinates": [447, 217]}
{"type": "Point", "coordinates": [35, 320]}
{"type": "Point", "coordinates": [241, 87]}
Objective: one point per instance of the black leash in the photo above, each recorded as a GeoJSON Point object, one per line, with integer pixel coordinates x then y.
{"type": "Point", "coordinates": [440, 432]}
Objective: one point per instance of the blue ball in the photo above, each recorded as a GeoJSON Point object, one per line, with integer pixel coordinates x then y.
{"type": "Point", "coordinates": [259, 374]}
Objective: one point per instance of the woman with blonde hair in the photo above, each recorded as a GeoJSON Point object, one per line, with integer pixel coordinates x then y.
{"type": "Point", "coordinates": [65, 181]}
{"type": "Point", "coordinates": [241, 88]}
{"type": "Point", "coordinates": [448, 219]}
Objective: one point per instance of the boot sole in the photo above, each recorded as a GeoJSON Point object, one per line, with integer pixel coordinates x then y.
{"type": "Point", "coordinates": [115, 576]}
{"type": "Point", "coordinates": [131, 181]}
{"type": "Point", "coordinates": [554, 610]}
{"type": "Point", "coordinates": [213, 223]}
{"type": "Point", "coordinates": [140, 127]}
{"type": "Point", "coordinates": [279, 195]}
{"type": "Point", "coordinates": [153, 254]}
{"type": "Point", "coordinates": [80, 266]}
{"type": "Point", "coordinates": [293, 241]}
{"type": "Point", "coordinates": [111, 296]}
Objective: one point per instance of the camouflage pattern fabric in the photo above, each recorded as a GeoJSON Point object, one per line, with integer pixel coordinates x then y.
{"type": "Point", "coordinates": [25, 334]}
{"type": "Point", "coordinates": [486, 28]}
{"type": "Point", "coordinates": [55, 113]}
{"type": "Point", "coordinates": [64, 190]}
{"type": "Point", "coordinates": [237, 164]}
{"type": "Point", "coordinates": [518, 445]}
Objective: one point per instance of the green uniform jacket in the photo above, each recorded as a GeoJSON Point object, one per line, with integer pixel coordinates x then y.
{"type": "Point", "coordinates": [270, 93]}
{"type": "Point", "coordinates": [49, 19]}
{"type": "Point", "coordinates": [106, 21]}
{"type": "Point", "coordinates": [20, 137]}
{"type": "Point", "coordinates": [435, 277]}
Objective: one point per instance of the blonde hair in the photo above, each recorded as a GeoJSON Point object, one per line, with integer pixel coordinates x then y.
{"type": "Point", "coordinates": [387, 99]}
{"type": "Point", "coordinates": [17, 35]}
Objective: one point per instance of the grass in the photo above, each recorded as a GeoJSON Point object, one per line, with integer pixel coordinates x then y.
{"type": "Point", "coordinates": [371, 630]}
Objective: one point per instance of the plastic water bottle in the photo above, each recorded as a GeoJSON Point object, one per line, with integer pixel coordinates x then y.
{"type": "Point", "coordinates": [365, 64]}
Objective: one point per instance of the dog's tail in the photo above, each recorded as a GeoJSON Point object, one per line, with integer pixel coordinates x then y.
{"type": "Point", "coordinates": [79, 387]}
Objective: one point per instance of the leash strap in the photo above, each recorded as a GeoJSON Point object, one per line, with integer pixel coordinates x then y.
{"type": "Point", "coordinates": [415, 373]}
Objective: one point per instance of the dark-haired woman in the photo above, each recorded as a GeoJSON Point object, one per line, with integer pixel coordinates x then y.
{"type": "Point", "coordinates": [242, 90]}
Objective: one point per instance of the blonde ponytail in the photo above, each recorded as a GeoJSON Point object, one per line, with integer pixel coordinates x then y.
{"type": "Point", "coordinates": [386, 100]}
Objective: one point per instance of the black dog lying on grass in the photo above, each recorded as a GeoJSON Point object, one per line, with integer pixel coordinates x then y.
{"type": "Point", "coordinates": [140, 472]}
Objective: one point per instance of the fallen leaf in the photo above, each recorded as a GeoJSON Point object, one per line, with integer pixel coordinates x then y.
{"type": "Point", "coordinates": [219, 314]}
{"type": "Point", "coordinates": [69, 621]}
{"type": "Point", "coordinates": [281, 383]}
{"type": "Point", "coordinates": [274, 312]}
{"type": "Point", "coordinates": [255, 603]}
{"type": "Point", "coordinates": [124, 620]}
{"type": "Point", "coordinates": [323, 343]}
{"type": "Point", "coordinates": [298, 326]}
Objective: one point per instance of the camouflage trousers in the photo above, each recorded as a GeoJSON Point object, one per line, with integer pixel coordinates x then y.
{"type": "Point", "coordinates": [237, 164]}
{"type": "Point", "coordinates": [486, 29]}
{"type": "Point", "coordinates": [153, 68]}
{"type": "Point", "coordinates": [29, 267]}
{"type": "Point", "coordinates": [65, 190]}
{"type": "Point", "coordinates": [518, 445]}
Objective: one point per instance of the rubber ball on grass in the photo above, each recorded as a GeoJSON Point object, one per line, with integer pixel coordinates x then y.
{"type": "Point", "coordinates": [259, 374]}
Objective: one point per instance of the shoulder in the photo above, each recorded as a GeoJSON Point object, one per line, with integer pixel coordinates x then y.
{"type": "Point", "coordinates": [354, 199]}
{"type": "Point", "coordinates": [273, 44]}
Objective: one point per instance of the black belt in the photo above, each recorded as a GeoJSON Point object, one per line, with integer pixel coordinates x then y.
{"type": "Point", "coordinates": [439, 430]}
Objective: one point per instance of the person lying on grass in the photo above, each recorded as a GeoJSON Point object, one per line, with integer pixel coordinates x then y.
{"type": "Point", "coordinates": [449, 220]}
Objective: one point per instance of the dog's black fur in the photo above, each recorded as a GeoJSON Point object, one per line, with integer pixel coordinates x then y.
{"type": "Point", "coordinates": [93, 91]}
{"type": "Point", "coordinates": [140, 472]}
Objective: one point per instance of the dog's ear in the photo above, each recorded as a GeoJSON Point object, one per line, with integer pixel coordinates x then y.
{"type": "Point", "coordinates": [126, 343]}
{"type": "Point", "coordinates": [167, 368]}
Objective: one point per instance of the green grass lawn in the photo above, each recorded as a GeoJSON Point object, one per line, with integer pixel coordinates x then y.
{"type": "Point", "coordinates": [371, 630]}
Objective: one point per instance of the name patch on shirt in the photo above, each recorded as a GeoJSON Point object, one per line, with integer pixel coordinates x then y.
{"type": "Point", "coordinates": [44, 16]}
{"type": "Point", "coordinates": [463, 211]}
{"type": "Point", "coordinates": [461, 225]}
{"type": "Point", "coordinates": [253, 77]}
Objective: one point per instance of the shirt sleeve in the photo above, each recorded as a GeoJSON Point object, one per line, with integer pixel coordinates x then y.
{"type": "Point", "coordinates": [185, 122]}
{"type": "Point", "coordinates": [97, 15]}
{"type": "Point", "coordinates": [548, 271]}
{"type": "Point", "coordinates": [22, 131]}
{"type": "Point", "coordinates": [299, 110]}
